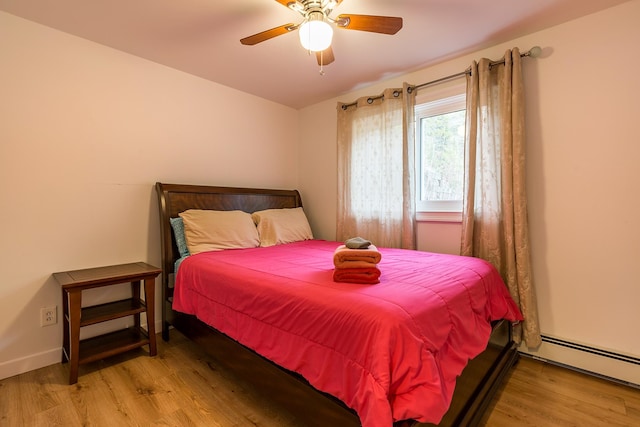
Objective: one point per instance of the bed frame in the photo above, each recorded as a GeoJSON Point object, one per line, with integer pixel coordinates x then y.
{"type": "Point", "coordinates": [475, 388]}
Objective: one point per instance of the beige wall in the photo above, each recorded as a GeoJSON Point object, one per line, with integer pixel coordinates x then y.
{"type": "Point", "coordinates": [583, 174]}
{"type": "Point", "coordinates": [85, 132]}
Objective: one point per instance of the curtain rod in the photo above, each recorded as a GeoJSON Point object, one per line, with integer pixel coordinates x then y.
{"type": "Point", "coordinates": [534, 52]}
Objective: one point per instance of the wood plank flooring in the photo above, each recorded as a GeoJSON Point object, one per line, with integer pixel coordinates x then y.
{"type": "Point", "coordinates": [182, 386]}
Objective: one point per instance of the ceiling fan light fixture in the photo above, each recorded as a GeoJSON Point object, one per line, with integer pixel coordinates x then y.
{"type": "Point", "coordinates": [316, 34]}
{"type": "Point", "coordinates": [316, 29]}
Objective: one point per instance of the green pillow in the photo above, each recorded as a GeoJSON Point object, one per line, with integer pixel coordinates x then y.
{"type": "Point", "coordinates": [178, 233]}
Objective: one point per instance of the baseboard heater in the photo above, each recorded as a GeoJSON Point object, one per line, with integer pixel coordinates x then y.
{"type": "Point", "coordinates": [606, 364]}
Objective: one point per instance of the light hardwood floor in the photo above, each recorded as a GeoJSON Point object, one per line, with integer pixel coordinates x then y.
{"type": "Point", "coordinates": [182, 386]}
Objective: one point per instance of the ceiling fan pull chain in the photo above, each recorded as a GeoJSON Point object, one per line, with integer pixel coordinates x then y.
{"type": "Point", "coordinates": [322, 63]}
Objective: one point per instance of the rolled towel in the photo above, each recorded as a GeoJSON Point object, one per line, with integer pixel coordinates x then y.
{"type": "Point", "coordinates": [344, 257]}
{"type": "Point", "coordinates": [364, 276]}
{"type": "Point", "coordinates": [357, 243]}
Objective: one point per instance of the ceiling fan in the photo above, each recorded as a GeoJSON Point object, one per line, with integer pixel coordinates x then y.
{"type": "Point", "coordinates": [315, 29]}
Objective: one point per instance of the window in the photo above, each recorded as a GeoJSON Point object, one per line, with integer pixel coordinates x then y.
{"type": "Point", "coordinates": [440, 131]}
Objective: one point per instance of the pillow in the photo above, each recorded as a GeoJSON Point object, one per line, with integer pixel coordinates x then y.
{"type": "Point", "coordinates": [277, 226]}
{"type": "Point", "coordinates": [178, 233]}
{"type": "Point", "coordinates": [209, 230]}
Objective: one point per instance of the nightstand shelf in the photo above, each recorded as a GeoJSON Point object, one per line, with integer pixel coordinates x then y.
{"type": "Point", "coordinates": [111, 310]}
{"type": "Point", "coordinates": [76, 351]}
{"type": "Point", "coordinates": [110, 344]}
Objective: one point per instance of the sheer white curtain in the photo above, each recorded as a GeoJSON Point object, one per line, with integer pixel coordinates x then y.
{"type": "Point", "coordinates": [494, 225]}
{"type": "Point", "coordinates": [376, 169]}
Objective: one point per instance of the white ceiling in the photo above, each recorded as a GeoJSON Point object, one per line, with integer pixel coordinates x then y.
{"type": "Point", "coordinates": [201, 37]}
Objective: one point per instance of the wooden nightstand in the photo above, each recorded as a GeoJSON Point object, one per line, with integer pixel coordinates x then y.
{"type": "Point", "coordinates": [75, 316]}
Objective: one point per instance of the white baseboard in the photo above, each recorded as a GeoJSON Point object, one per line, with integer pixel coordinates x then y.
{"type": "Point", "coordinates": [32, 362]}
{"type": "Point", "coordinates": [29, 363]}
{"type": "Point", "coordinates": [609, 364]}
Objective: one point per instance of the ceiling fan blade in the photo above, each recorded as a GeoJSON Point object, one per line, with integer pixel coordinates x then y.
{"type": "Point", "coordinates": [325, 57]}
{"type": "Point", "coordinates": [374, 24]}
{"type": "Point", "coordinates": [266, 35]}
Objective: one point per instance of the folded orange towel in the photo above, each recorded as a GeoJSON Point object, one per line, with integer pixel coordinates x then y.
{"type": "Point", "coordinates": [365, 276]}
{"type": "Point", "coordinates": [344, 257]}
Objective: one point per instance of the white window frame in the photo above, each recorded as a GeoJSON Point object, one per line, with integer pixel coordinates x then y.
{"type": "Point", "coordinates": [428, 104]}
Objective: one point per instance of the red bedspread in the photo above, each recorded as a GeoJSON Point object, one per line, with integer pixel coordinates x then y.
{"type": "Point", "coordinates": [391, 351]}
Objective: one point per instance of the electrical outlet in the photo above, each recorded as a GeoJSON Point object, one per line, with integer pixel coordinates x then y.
{"type": "Point", "coordinates": [48, 316]}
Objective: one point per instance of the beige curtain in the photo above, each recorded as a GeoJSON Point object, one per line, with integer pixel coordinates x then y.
{"type": "Point", "coordinates": [494, 225]}
{"type": "Point", "coordinates": [376, 168]}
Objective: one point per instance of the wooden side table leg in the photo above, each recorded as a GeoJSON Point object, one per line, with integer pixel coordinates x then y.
{"type": "Point", "coordinates": [65, 327]}
{"type": "Point", "coordinates": [149, 296]}
{"type": "Point", "coordinates": [135, 293]}
{"type": "Point", "coordinates": [74, 306]}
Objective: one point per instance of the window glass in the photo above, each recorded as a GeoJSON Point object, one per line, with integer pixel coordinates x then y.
{"type": "Point", "coordinates": [440, 132]}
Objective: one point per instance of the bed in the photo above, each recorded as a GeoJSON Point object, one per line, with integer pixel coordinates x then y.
{"type": "Point", "coordinates": [372, 349]}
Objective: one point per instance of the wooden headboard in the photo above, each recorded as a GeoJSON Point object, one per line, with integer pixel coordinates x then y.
{"type": "Point", "coordinates": [176, 198]}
